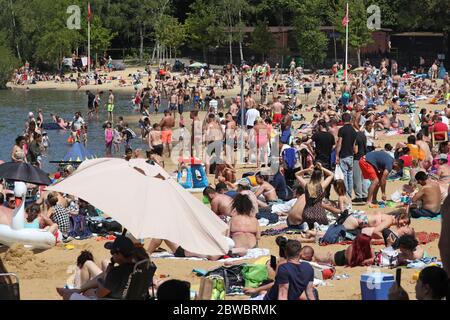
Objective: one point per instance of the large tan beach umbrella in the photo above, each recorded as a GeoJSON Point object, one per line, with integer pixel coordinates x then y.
{"type": "Point", "coordinates": [148, 202]}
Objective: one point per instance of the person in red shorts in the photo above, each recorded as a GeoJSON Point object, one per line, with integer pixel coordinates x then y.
{"type": "Point", "coordinates": [376, 166]}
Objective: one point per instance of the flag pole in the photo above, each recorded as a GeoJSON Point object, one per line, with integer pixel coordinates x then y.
{"type": "Point", "coordinates": [89, 38]}
{"type": "Point", "coordinates": [346, 46]}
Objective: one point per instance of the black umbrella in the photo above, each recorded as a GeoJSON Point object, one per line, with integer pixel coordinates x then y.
{"type": "Point", "coordinates": [25, 172]}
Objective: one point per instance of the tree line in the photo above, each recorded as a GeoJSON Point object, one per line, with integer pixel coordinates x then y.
{"type": "Point", "coordinates": [36, 31]}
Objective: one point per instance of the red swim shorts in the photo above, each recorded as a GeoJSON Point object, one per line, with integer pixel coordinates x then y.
{"type": "Point", "coordinates": [368, 171]}
{"type": "Point", "coordinates": [277, 118]}
{"type": "Point", "coordinates": [166, 136]}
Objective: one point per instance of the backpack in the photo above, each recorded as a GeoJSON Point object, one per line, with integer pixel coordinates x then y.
{"type": "Point", "coordinates": [232, 276]}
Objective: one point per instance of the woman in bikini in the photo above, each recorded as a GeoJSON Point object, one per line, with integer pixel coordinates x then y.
{"type": "Point", "coordinates": [265, 189]}
{"type": "Point", "coordinates": [314, 193]}
{"type": "Point", "coordinates": [243, 227]}
{"type": "Point", "coordinates": [374, 223]}
{"type": "Point", "coordinates": [359, 253]}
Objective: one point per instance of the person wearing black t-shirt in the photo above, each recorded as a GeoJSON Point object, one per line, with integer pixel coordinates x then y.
{"type": "Point", "coordinates": [112, 283]}
{"type": "Point", "coordinates": [344, 151]}
{"type": "Point", "coordinates": [293, 278]}
{"type": "Point", "coordinates": [91, 105]}
{"type": "Point", "coordinates": [360, 184]}
{"type": "Point", "coordinates": [324, 142]}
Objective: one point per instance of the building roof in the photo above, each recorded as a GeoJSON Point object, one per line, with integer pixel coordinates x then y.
{"type": "Point", "coordinates": [418, 34]}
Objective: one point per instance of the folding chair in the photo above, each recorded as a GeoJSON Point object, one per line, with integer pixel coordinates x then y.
{"type": "Point", "coordinates": [435, 141]}
{"type": "Point", "coordinates": [140, 281]}
{"type": "Point", "coordinates": [9, 286]}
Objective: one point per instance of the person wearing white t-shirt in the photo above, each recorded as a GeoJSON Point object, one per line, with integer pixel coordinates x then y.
{"type": "Point", "coordinates": [252, 115]}
{"type": "Point", "coordinates": [202, 72]}
{"type": "Point", "coordinates": [214, 104]}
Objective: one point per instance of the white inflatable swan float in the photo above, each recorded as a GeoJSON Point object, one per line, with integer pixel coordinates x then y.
{"type": "Point", "coordinates": [30, 238]}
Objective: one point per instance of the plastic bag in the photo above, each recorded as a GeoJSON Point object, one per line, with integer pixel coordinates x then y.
{"type": "Point", "coordinates": [338, 173]}
{"type": "Point", "coordinates": [254, 275]}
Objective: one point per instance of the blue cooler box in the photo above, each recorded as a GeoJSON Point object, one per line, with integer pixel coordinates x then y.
{"type": "Point", "coordinates": [375, 286]}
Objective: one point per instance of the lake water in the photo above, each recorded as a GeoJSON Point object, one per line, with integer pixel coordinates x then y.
{"type": "Point", "coordinates": [15, 106]}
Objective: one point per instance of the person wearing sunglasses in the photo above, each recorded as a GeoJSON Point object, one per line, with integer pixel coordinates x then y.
{"type": "Point", "coordinates": [111, 283]}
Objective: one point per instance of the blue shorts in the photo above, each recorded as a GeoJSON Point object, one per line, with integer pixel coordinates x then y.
{"type": "Point", "coordinates": [422, 213]}
{"type": "Point", "coordinates": [173, 107]}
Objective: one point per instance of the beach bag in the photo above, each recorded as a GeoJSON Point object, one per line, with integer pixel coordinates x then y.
{"type": "Point", "coordinates": [338, 173]}
{"type": "Point", "coordinates": [212, 288]}
{"type": "Point", "coordinates": [387, 258]}
{"type": "Point", "coordinates": [232, 276]}
{"type": "Point", "coordinates": [255, 275]}
{"type": "Point", "coordinates": [103, 226]}
{"type": "Point", "coordinates": [79, 227]}
{"type": "Point", "coordinates": [335, 234]}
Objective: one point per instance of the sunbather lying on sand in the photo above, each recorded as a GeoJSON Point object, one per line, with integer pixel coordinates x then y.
{"type": "Point", "coordinates": [374, 223]}
{"type": "Point", "coordinates": [359, 253]}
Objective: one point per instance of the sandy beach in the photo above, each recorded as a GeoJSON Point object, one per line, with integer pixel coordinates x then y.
{"type": "Point", "coordinates": [41, 272]}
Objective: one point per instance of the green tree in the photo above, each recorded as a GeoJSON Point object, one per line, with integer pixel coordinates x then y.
{"type": "Point", "coordinates": [359, 35]}
{"type": "Point", "coordinates": [311, 40]}
{"type": "Point", "coordinates": [262, 39]}
{"type": "Point", "coordinates": [7, 62]}
{"type": "Point", "coordinates": [170, 33]}
{"type": "Point", "coordinates": [203, 28]}
{"type": "Point", "coordinates": [101, 37]}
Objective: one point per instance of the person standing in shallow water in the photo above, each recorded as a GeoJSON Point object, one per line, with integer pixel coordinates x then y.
{"type": "Point", "coordinates": [110, 106]}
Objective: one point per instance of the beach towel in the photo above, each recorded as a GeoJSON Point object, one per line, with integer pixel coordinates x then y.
{"type": "Point", "coordinates": [169, 255]}
{"type": "Point", "coordinates": [374, 242]}
{"type": "Point", "coordinates": [425, 237]}
{"type": "Point", "coordinates": [438, 217]}
{"type": "Point", "coordinates": [251, 254]}
{"type": "Point", "coordinates": [275, 232]}
{"type": "Point", "coordinates": [422, 263]}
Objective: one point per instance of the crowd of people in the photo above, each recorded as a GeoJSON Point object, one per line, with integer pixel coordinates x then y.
{"type": "Point", "coordinates": [295, 167]}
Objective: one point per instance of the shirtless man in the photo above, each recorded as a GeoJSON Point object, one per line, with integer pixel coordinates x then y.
{"type": "Point", "coordinates": [214, 141]}
{"type": "Point", "coordinates": [429, 195]}
{"type": "Point", "coordinates": [427, 162]}
{"type": "Point", "coordinates": [110, 106]}
{"type": "Point", "coordinates": [155, 141]}
{"type": "Point", "coordinates": [230, 137]}
{"type": "Point", "coordinates": [286, 124]}
{"type": "Point", "coordinates": [173, 103]}
{"type": "Point", "coordinates": [383, 123]}
{"type": "Point", "coordinates": [277, 108]}
{"type": "Point", "coordinates": [234, 108]}
{"type": "Point", "coordinates": [196, 134]}
{"type": "Point", "coordinates": [221, 204]}
{"type": "Point", "coordinates": [166, 124]}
